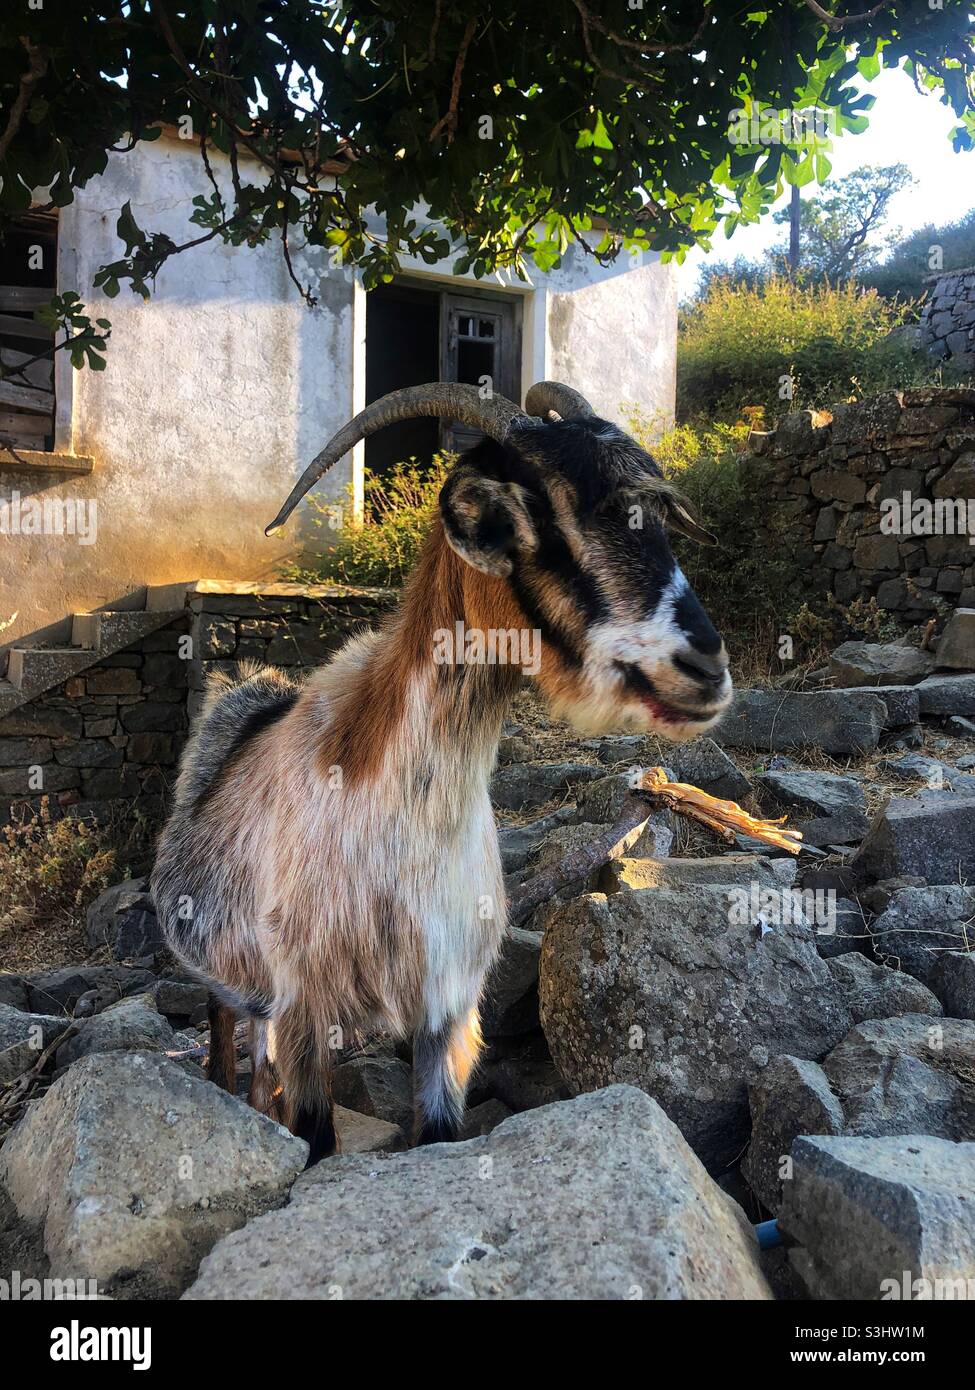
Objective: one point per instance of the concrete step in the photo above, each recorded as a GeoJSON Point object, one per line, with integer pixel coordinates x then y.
{"type": "Point", "coordinates": [30, 670]}
{"type": "Point", "coordinates": [107, 632]}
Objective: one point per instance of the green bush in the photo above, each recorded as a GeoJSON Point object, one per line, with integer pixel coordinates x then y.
{"type": "Point", "coordinates": [382, 548]}
{"type": "Point", "coordinates": [736, 345]}
{"type": "Point", "coordinates": [904, 271]}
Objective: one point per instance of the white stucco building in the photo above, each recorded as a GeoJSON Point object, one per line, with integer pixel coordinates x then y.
{"type": "Point", "coordinates": [220, 389]}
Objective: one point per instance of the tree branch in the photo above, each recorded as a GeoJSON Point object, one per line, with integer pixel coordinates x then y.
{"type": "Point", "coordinates": [28, 81]}
{"type": "Point", "coordinates": [836, 22]}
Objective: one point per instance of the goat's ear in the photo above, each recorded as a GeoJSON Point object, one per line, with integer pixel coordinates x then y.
{"type": "Point", "coordinates": [485, 521]}
{"type": "Point", "coordinates": [679, 516]}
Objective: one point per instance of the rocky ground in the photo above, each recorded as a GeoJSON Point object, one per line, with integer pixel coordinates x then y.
{"type": "Point", "coordinates": [700, 1037]}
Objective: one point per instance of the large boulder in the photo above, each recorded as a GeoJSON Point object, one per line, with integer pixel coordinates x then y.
{"type": "Point", "coordinates": [791, 1096]}
{"type": "Point", "coordinates": [873, 663]}
{"type": "Point", "coordinates": [628, 874]}
{"type": "Point", "coordinates": [931, 835]}
{"type": "Point", "coordinates": [598, 1198]}
{"type": "Point", "coordinates": [840, 723]}
{"type": "Point", "coordinates": [875, 991]}
{"type": "Point", "coordinates": [131, 1169]}
{"type": "Point", "coordinates": [686, 994]}
{"type": "Point", "coordinates": [882, 1218]}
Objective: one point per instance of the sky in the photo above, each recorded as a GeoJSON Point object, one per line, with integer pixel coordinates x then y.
{"type": "Point", "coordinates": [905, 127]}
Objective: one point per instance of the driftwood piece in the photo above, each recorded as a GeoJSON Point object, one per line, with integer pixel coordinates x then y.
{"type": "Point", "coordinates": [726, 817]}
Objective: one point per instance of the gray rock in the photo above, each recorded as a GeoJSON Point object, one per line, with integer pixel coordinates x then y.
{"type": "Point", "coordinates": [523, 786]}
{"type": "Point", "coordinates": [919, 925]}
{"type": "Point", "coordinates": [876, 991]}
{"type": "Point", "coordinates": [902, 702]}
{"type": "Point", "coordinates": [376, 1084]}
{"type": "Point", "coordinates": [906, 1075]}
{"type": "Point", "coordinates": [49, 991]}
{"type": "Point", "coordinates": [364, 1134]}
{"type": "Point", "coordinates": [23, 1037]}
{"type": "Point", "coordinates": [180, 998]}
{"type": "Point", "coordinates": [481, 1119]}
{"type": "Point", "coordinates": [849, 931]}
{"type": "Point", "coordinates": [944, 695]}
{"type": "Point", "coordinates": [872, 663]}
{"type": "Point", "coordinates": [962, 728]}
{"type": "Point", "coordinates": [601, 805]}
{"type": "Point", "coordinates": [791, 1096]}
{"type": "Point", "coordinates": [912, 767]}
{"type": "Point", "coordinates": [629, 875]}
{"type": "Point", "coordinates": [956, 650]}
{"type": "Point", "coordinates": [704, 764]}
{"type": "Point", "coordinates": [510, 1002]}
{"type": "Point", "coordinates": [131, 1025]}
{"type": "Point", "coordinates": [685, 994]}
{"type": "Point", "coordinates": [826, 808]}
{"type": "Point", "coordinates": [953, 981]}
{"type": "Point", "coordinates": [132, 1169]}
{"type": "Point", "coordinates": [817, 793]}
{"type": "Point", "coordinates": [871, 1216]}
{"type": "Point", "coordinates": [13, 991]}
{"type": "Point", "coordinates": [522, 1076]}
{"type": "Point", "coordinates": [598, 1198]}
{"type": "Point", "coordinates": [518, 841]}
{"type": "Point", "coordinates": [124, 919]}
{"type": "Point", "coordinates": [839, 722]}
{"type": "Point", "coordinates": [931, 835]}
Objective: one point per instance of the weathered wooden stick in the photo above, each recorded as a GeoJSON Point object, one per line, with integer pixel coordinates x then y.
{"type": "Point", "coordinates": [580, 863]}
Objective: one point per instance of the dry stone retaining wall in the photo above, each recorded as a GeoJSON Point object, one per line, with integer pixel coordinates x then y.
{"type": "Point", "coordinates": [948, 316]}
{"type": "Point", "coordinates": [829, 474]}
{"type": "Point", "coordinates": [114, 732]}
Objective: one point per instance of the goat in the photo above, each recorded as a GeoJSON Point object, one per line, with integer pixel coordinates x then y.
{"type": "Point", "coordinates": [331, 861]}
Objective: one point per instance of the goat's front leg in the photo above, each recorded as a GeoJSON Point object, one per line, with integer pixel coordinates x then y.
{"type": "Point", "coordinates": [442, 1066]}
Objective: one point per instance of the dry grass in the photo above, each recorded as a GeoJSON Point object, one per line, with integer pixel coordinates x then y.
{"type": "Point", "coordinates": [51, 869]}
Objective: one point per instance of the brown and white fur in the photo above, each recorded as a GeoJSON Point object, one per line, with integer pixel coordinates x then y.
{"type": "Point", "coordinates": [331, 864]}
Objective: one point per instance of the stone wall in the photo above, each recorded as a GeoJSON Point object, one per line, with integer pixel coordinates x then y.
{"type": "Point", "coordinates": [948, 316]}
{"type": "Point", "coordinates": [113, 734]}
{"type": "Point", "coordinates": [828, 475]}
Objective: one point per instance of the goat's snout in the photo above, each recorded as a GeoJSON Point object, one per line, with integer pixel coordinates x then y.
{"type": "Point", "coordinates": [709, 670]}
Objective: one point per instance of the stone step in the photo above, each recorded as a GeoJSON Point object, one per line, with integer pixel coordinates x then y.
{"type": "Point", "coordinates": [107, 632]}
{"type": "Point", "coordinates": [31, 670]}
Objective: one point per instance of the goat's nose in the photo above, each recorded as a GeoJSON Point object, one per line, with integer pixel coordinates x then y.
{"type": "Point", "coordinates": [700, 666]}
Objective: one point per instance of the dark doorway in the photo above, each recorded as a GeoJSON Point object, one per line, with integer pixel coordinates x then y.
{"type": "Point", "coordinates": [416, 334]}
{"type": "Point", "coordinates": [402, 349]}
{"type": "Point", "coordinates": [28, 277]}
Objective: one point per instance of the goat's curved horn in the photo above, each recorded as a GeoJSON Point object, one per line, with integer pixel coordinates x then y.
{"type": "Point", "coordinates": [552, 395]}
{"type": "Point", "coordinates": [445, 400]}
